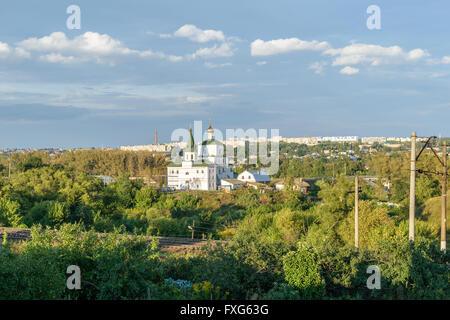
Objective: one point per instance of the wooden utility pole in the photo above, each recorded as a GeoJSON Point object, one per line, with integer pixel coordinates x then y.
{"type": "Point", "coordinates": [356, 213]}
{"type": "Point", "coordinates": [444, 198]}
{"type": "Point", "coordinates": [412, 187]}
{"type": "Point", "coordinates": [193, 226]}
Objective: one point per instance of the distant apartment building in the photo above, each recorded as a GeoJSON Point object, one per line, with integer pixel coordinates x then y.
{"type": "Point", "coordinates": [153, 147]}
{"type": "Point", "coordinates": [339, 139]}
{"type": "Point", "coordinates": [372, 140]}
{"type": "Point", "coordinates": [310, 141]}
{"type": "Point", "coordinates": [399, 139]}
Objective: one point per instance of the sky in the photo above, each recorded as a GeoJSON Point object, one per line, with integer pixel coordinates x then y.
{"type": "Point", "coordinates": [307, 68]}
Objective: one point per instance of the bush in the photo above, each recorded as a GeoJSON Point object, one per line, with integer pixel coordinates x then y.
{"type": "Point", "coordinates": [301, 271]}
{"type": "Point", "coordinates": [47, 213]}
{"type": "Point", "coordinates": [9, 214]}
{"type": "Point", "coordinates": [112, 266]}
{"type": "Point", "coordinates": [282, 291]}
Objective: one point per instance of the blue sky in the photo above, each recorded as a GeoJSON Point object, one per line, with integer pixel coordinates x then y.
{"type": "Point", "coordinates": [307, 68]}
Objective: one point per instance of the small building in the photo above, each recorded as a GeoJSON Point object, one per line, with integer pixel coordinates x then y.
{"type": "Point", "coordinates": [231, 184]}
{"type": "Point", "coordinates": [254, 176]}
{"type": "Point", "coordinates": [298, 184]}
{"type": "Point", "coordinates": [106, 179]}
{"type": "Point", "coordinates": [261, 187]}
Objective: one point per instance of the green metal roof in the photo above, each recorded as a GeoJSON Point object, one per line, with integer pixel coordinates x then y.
{"type": "Point", "coordinates": [212, 141]}
{"type": "Point", "coordinates": [191, 144]}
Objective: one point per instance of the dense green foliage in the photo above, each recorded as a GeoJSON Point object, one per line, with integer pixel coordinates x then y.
{"type": "Point", "coordinates": [282, 245]}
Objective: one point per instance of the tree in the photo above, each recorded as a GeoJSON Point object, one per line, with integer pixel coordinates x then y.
{"type": "Point", "coordinates": [301, 271]}
{"type": "Point", "coordinates": [9, 213]}
{"type": "Point", "coordinates": [145, 197]}
{"type": "Point", "coordinates": [374, 225]}
{"type": "Point", "coordinates": [47, 213]}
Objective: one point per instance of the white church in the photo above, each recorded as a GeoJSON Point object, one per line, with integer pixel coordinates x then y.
{"type": "Point", "coordinates": [203, 166]}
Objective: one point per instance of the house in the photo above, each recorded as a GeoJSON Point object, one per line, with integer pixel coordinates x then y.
{"type": "Point", "coordinates": [298, 184]}
{"type": "Point", "coordinates": [254, 176]}
{"type": "Point", "coordinates": [106, 179]}
{"type": "Point", "coordinates": [155, 181]}
{"type": "Point", "coordinates": [231, 184]}
{"type": "Point", "coordinates": [257, 186]}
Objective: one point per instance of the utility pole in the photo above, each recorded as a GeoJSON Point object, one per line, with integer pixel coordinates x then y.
{"type": "Point", "coordinates": [443, 163]}
{"type": "Point", "coordinates": [412, 187]}
{"type": "Point", "coordinates": [333, 167]}
{"type": "Point", "coordinates": [193, 226]}
{"type": "Point", "coordinates": [356, 213]}
{"type": "Point", "coordinates": [444, 198]}
{"type": "Point", "coordinates": [9, 167]}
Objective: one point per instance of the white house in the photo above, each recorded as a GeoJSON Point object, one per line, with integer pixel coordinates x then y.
{"type": "Point", "coordinates": [231, 184]}
{"type": "Point", "coordinates": [254, 176]}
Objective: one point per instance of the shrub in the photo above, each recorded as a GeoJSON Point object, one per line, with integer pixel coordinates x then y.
{"type": "Point", "coordinates": [301, 271]}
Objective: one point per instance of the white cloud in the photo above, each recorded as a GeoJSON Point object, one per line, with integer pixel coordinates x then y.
{"type": "Point", "coordinates": [199, 99]}
{"type": "Point", "coordinates": [417, 54]}
{"type": "Point", "coordinates": [210, 65]}
{"type": "Point", "coordinates": [373, 54]}
{"type": "Point", "coordinates": [160, 55]}
{"type": "Point", "coordinates": [195, 34]}
{"type": "Point", "coordinates": [272, 47]}
{"type": "Point", "coordinates": [89, 42]}
{"type": "Point", "coordinates": [4, 49]}
{"type": "Point", "coordinates": [349, 70]}
{"type": "Point", "coordinates": [261, 63]}
{"type": "Point", "coordinates": [21, 53]}
{"type": "Point", "coordinates": [90, 46]}
{"type": "Point", "coordinates": [318, 67]}
{"type": "Point", "coordinates": [224, 50]}
{"type": "Point", "coordinates": [58, 58]}
{"type": "Point", "coordinates": [198, 35]}
{"type": "Point", "coordinates": [8, 52]}
{"type": "Point", "coordinates": [446, 60]}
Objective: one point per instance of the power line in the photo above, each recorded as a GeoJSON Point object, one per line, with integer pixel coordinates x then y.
{"type": "Point", "coordinates": [443, 174]}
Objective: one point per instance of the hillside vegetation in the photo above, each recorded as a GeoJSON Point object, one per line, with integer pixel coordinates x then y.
{"type": "Point", "coordinates": [281, 245]}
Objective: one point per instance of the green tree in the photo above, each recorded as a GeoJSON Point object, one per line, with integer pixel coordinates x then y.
{"type": "Point", "coordinates": [47, 213]}
{"type": "Point", "coordinates": [146, 197]}
{"type": "Point", "coordinates": [302, 271]}
{"type": "Point", "coordinates": [10, 214]}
